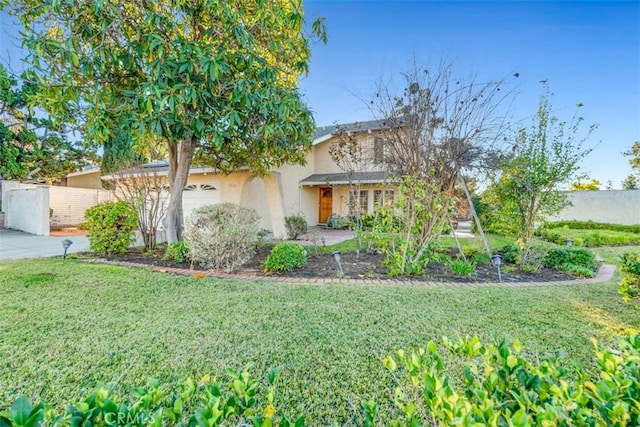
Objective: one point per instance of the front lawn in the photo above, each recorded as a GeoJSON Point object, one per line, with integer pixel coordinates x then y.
{"type": "Point", "coordinates": [65, 325]}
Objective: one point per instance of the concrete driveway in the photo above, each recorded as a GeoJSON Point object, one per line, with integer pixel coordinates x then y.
{"type": "Point", "coordinates": [18, 245]}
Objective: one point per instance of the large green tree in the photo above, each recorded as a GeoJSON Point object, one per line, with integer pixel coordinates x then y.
{"type": "Point", "coordinates": [546, 156]}
{"type": "Point", "coordinates": [216, 80]}
{"type": "Point", "coordinates": [31, 147]}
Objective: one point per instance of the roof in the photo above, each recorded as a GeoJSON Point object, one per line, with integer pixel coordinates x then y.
{"type": "Point", "coordinates": [85, 171]}
{"type": "Point", "coordinates": [346, 178]}
{"type": "Point", "coordinates": [160, 167]}
{"type": "Point", "coordinates": [325, 132]}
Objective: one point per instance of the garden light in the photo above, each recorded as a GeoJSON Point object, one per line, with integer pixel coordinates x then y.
{"type": "Point", "coordinates": [324, 240]}
{"type": "Point", "coordinates": [337, 256]}
{"type": "Point", "coordinates": [497, 261]}
{"type": "Point", "coordinates": [569, 242]}
{"type": "Point", "coordinates": [65, 245]}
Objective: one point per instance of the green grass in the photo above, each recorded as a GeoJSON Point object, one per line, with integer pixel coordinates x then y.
{"type": "Point", "coordinates": [612, 255]}
{"type": "Point", "coordinates": [64, 326]}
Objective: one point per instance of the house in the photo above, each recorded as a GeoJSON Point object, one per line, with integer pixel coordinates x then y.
{"type": "Point", "coordinates": [316, 190]}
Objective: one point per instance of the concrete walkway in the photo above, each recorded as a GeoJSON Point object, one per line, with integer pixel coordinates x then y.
{"type": "Point", "coordinates": [17, 245]}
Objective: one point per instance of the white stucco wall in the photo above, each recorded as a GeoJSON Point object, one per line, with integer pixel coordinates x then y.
{"type": "Point", "coordinates": [609, 206]}
{"type": "Point", "coordinates": [27, 210]}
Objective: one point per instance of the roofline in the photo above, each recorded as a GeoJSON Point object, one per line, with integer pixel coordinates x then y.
{"type": "Point", "coordinates": [83, 172]}
{"type": "Point", "coordinates": [323, 138]}
{"type": "Point", "coordinates": [192, 171]}
{"type": "Point", "coordinates": [324, 184]}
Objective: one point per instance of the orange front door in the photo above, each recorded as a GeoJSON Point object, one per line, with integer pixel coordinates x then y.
{"type": "Point", "coordinates": [326, 204]}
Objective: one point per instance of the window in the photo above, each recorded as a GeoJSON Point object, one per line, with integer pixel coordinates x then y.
{"type": "Point", "coordinates": [382, 197]}
{"type": "Point", "coordinates": [358, 201]}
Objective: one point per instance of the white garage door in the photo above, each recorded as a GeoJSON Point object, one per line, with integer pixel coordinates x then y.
{"type": "Point", "coordinates": [196, 195]}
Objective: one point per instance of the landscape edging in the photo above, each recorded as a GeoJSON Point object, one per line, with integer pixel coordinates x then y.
{"type": "Point", "coordinates": [605, 273]}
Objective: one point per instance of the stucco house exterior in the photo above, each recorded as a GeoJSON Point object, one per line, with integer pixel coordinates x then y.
{"type": "Point", "coordinates": [315, 190]}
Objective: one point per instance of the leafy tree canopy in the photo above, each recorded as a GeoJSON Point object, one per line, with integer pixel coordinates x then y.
{"type": "Point", "coordinates": [592, 185]}
{"type": "Point", "coordinates": [634, 153]}
{"type": "Point", "coordinates": [32, 147]}
{"type": "Point", "coordinates": [545, 157]}
{"type": "Point", "coordinates": [631, 182]}
{"type": "Point", "coordinates": [216, 80]}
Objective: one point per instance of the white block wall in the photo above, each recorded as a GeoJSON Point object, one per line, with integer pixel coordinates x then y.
{"type": "Point", "coordinates": [609, 206]}
{"type": "Point", "coordinates": [27, 209]}
{"type": "Point", "coordinates": [69, 204]}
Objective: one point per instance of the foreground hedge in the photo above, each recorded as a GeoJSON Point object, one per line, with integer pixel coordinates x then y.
{"type": "Point", "coordinates": [499, 388]}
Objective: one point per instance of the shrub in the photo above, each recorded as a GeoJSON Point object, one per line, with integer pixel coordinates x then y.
{"type": "Point", "coordinates": [176, 251]}
{"type": "Point", "coordinates": [383, 220]}
{"type": "Point", "coordinates": [510, 253]}
{"type": "Point", "coordinates": [531, 257]}
{"type": "Point", "coordinates": [196, 404]}
{"type": "Point", "coordinates": [462, 268]}
{"type": "Point", "coordinates": [286, 256]}
{"type": "Point", "coordinates": [295, 225]}
{"type": "Point", "coordinates": [500, 387]}
{"type": "Point", "coordinates": [111, 227]}
{"type": "Point", "coordinates": [579, 261]}
{"type": "Point", "coordinates": [221, 236]}
{"type": "Point", "coordinates": [630, 267]}
{"type": "Point", "coordinates": [337, 222]}
{"type": "Point", "coordinates": [479, 256]}
{"type": "Point", "coordinates": [577, 270]}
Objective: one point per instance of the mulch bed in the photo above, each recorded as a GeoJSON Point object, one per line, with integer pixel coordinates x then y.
{"type": "Point", "coordinates": [365, 266]}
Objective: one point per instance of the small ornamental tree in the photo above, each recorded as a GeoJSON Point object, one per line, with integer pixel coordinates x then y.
{"type": "Point", "coordinates": [544, 157]}
{"type": "Point", "coordinates": [437, 125]}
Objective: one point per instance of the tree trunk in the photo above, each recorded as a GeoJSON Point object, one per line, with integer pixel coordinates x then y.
{"type": "Point", "coordinates": [178, 175]}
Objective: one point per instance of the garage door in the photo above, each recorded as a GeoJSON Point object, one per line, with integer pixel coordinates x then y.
{"type": "Point", "coordinates": [196, 195]}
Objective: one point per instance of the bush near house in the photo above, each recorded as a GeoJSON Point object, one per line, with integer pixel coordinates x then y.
{"type": "Point", "coordinates": [221, 236]}
{"type": "Point", "coordinates": [286, 256]}
{"type": "Point", "coordinates": [176, 251]}
{"type": "Point", "coordinates": [111, 227]}
{"type": "Point", "coordinates": [295, 225]}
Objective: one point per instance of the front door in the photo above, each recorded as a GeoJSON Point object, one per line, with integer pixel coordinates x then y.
{"type": "Point", "coordinates": [326, 204]}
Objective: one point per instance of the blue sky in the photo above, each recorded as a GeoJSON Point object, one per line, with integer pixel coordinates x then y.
{"type": "Point", "coordinates": [588, 51]}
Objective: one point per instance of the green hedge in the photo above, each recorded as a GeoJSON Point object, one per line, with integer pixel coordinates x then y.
{"type": "Point", "coordinates": [590, 225]}
{"type": "Point", "coordinates": [589, 238]}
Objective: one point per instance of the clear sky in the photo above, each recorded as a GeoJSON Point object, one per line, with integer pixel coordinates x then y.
{"type": "Point", "coordinates": [588, 51]}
